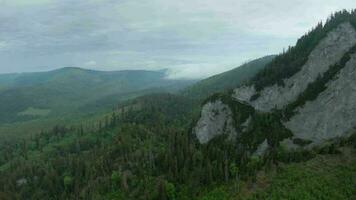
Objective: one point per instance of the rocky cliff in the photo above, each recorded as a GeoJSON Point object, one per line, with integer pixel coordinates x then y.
{"type": "Point", "coordinates": [328, 52]}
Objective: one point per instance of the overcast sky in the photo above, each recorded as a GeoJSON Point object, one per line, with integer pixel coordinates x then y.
{"type": "Point", "coordinates": [193, 38]}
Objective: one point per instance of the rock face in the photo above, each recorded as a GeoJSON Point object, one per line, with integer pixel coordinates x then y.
{"type": "Point", "coordinates": [328, 52]}
{"type": "Point", "coordinates": [216, 119]}
{"type": "Point", "coordinates": [332, 114]}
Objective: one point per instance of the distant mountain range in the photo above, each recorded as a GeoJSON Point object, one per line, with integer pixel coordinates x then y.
{"type": "Point", "coordinates": [39, 100]}
{"type": "Point", "coordinates": [26, 96]}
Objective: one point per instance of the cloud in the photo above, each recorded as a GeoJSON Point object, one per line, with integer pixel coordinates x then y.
{"type": "Point", "coordinates": [3, 45]}
{"type": "Point", "coordinates": [25, 2]}
{"type": "Point", "coordinates": [155, 34]}
{"type": "Point", "coordinates": [90, 63]}
{"type": "Point", "coordinates": [195, 71]}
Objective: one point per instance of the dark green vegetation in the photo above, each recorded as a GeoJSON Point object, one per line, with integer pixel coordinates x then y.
{"type": "Point", "coordinates": [290, 62]}
{"type": "Point", "coordinates": [145, 149]}
{"type": "Point", "coordinates": [329, 177]}
{"type": "Point", "coordinates": [325, 177]}
{"type": "Point", "coordinates": [70, 93]}
{"type": "Point", "coordinates": [120, 156]}
{"type": "Point", "coordinates": [145, 139]}
{"type": "Point", "coordinates": [227, 80]}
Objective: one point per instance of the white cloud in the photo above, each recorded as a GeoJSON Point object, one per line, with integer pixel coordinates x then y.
{"type": "Point", "coordinates": [3, 45]}
{"type": "Point", "coordinates": [194, 71]}
{"type": "Point", "coordinates": [91, 63]}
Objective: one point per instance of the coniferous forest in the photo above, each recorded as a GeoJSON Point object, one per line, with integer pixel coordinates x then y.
{"type": "Point", "coordinates": [149, 153]}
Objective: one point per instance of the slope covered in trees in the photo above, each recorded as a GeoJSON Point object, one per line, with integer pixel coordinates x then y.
{"type": "Point", "coordinates": [227, 80]}
{"type": "Point", "coordinates": [143, 150]}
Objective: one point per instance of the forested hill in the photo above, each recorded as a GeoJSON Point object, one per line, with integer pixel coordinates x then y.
{"type": "Point", "coordinates": [227, 80]}
{"type": "Point", "coordinates": [34, 95]}
{"type": "Point", "coordinates": [145, 150]}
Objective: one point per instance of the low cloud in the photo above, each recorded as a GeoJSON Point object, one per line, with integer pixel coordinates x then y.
{"type": "Point", "coordinates": [91, 63]}
{"type": "Point", "coordinates": [195, 71]}
{"type": "Point", "coordinates": [3, 45]}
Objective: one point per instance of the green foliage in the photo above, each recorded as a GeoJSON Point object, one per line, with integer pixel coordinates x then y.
{"type": "Point", "coordinates": [67, 182]}
{"type": "Point", "coordinates": [116, 178]}
{"type": "Point", "coordinates": [294, 156]}
{"type": "Point", "coordinates": [131, 140]}
{"type": "Point", "coordinates": [265, 126]}
{"type": "Point", "coordinates": [216, 194]}
{"type": "Point", "coordinates": [234, 170]}
{"type": "Point", "coordinates": [301, 142]}
{"type": "Point", "coordinates": [352, 140]}
{"type": "Point", "coordinates": [312, 181]}
{"type": "Point", "coordinates": [170, 191]}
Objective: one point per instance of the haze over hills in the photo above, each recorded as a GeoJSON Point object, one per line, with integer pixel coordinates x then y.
{"type": "Point", "coordinates": [72, 93]}
{"type": "Point", "coordinates": [74, 90]}
{"type": "Point", "coordinates": [38, 100]}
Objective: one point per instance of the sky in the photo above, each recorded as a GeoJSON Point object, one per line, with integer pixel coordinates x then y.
{"type": "Point", "coordinates": [191, 38]}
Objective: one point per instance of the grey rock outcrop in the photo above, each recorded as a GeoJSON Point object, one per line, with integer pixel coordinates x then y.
{"type": "Point", "coordinates": [333, 113]}
{"type": "Point", "coordinates": [216, 119]}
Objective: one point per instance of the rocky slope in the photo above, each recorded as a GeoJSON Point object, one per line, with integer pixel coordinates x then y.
{"type": "Point", "coordinates": [217, 120]}
{"type": "Point", "coordinates": [333, 113]}
{"type": "Point", "coordinates": [316, 104]}
{"type": "Point", "coordinates": [328, 52]}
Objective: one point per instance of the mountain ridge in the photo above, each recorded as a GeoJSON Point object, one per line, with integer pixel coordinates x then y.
{"type": "Point", "coordinates": [323, 74]}
{"type": "Point", "coordinates": [227, 80]}
{"type": "Point", "coordinates": [69, 88]}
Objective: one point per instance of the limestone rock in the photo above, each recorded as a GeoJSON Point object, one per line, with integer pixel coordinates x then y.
{"type": "Point", "coordinates": [333, 113]}
{"type": "Point", "coordinates": [216, 119]}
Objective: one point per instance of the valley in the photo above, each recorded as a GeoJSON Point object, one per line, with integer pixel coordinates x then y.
{"type": "Point", "coordinates": [36, 101]}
